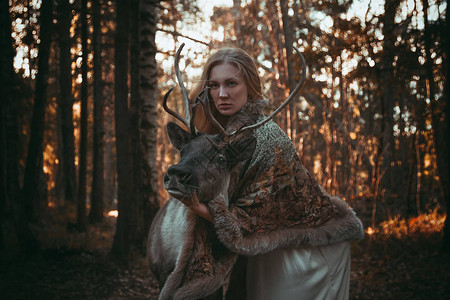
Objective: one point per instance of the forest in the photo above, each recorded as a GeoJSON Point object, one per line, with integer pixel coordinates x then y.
{"type": "Point", "coordinates": [84, 147]}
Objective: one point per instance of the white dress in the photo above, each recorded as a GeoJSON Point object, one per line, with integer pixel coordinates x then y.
{"type": "Point", "coordinates": [300, 273]}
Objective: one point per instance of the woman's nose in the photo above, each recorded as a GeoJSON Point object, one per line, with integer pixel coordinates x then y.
{"type": "Point", "coordinates": [222, 92]}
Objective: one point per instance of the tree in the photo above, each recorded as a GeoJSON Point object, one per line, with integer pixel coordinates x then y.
{"type": "Point", "coordinates": [289, 36]}
{"type": "Point", "coordinates": [387, 86]}
{"type": "Point", "coordinates": [446, 241]}
{"type": "Point", "coordinates": [236, 13]}
{"type": "Point", "coordinates": [66, 100]}
{"type": "Point", "coordinates": [31, 192]}
{"type": "Point", "coordinates": [9, 131]}
{"type": "Point", "coordinates": [97, 199]}
{"type": "Point", "coordinates": [136, 124]}
{"type": "Point", "coordinates": [82, 166]}
{"type": "Point", "coordinates": [136, 198]}
{"type": "Point", "coordinates": [148, 85]}
{"type": "Point", "coordinates": [33, 169]}
{"type": "Point", "coordinates": [123, 236]}
{"type": "Point", "coordinates": [108, 28]}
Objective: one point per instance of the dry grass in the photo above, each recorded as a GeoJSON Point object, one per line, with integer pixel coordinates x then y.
{"type": "Point", "coordinates": [399, 227]}
{"type": "Point", "coordinates": [402, 259]}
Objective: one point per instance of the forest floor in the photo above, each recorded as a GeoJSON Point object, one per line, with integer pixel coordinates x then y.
{"type": "Point", "coordinates": [77, 266]}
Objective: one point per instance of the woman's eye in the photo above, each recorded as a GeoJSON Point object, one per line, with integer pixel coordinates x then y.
{"type": "Point", "coordinates": [232, 83]}
{"type": "Point", "coordinates": [212, 85]}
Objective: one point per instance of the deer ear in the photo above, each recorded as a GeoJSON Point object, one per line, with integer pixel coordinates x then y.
{"type": "Point", "coordinates": [242, 149]}
{"type": "Point", "coordinates": [177, 135]}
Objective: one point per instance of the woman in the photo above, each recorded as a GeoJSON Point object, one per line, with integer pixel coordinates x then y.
{"type": "Point", "coordinates": [295, 235]}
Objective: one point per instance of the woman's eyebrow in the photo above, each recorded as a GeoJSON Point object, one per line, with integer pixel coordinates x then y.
{"type": "Point", "coordinates": [226, 79]}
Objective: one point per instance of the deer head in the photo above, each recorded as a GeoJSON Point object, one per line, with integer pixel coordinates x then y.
{"type": "Point", "coordinates": [203, 167]}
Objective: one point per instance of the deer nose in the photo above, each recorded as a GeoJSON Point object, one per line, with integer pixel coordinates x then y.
{"type": "Point", "coordinates": [183, 175]}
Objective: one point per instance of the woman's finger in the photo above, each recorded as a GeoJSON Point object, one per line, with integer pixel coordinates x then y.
{"type": "Point", "coordinates": [194, 197]}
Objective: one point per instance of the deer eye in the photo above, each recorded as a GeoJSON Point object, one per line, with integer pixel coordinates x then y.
{"type": "Point", "coordinates": [221, 159]}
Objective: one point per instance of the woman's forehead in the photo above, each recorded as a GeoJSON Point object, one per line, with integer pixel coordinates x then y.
{"type": "Point", "coordinates": [224, 71]}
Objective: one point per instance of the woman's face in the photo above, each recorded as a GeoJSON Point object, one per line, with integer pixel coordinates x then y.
{"type": "Point", "coordinates": [227, 88]}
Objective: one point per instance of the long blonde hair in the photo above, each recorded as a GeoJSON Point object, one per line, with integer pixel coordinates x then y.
{"type": "Point", "coordinates": [246, 65]}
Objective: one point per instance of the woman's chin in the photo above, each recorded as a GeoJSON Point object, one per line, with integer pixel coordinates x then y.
{"type": "Point", "coordinates": [226, 112]}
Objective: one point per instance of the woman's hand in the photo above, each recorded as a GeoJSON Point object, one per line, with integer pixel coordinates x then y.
{"type": "Point", "coordinates": [193, 203]}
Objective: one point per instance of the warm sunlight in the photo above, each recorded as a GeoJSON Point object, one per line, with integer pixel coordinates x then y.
{"type": "Point", "coordinates": [113, 213]}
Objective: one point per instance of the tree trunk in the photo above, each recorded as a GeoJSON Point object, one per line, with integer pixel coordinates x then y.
{"type": "Point", "coordinates": [136, 198]}
{"type": "Point", "coordinates": [66, 101]}
{"type": "Point", "coordinates": [82, 166]}
{"type": "Point", "coordinates": [446, 240]}
{"type": "Point", "coordinates": [33, 167]}
{"type": "Point", "coordinates": [97, 198]}
{"type": "Point", "coordinates": [236, 12]}
{"type": "Point", "coordinates": [149, 101]}
{"type": "Point", "coordinates": [387, 87]}
{"type": "Point", "coordinates": [122, 238]}
{"type": "Point", "coordinates": [3, 170]}
{"type": "Point", "coordinates": [34, 163]}
{"type": "Point", "coordinates": [58, 173]}
{"type": "Point", "coordinates": [412, 167]}
{"type": "Point", "coordinates": [279, 85]}
{"type": "Point", "coordinates": [288, 43]}
{"type": "Point", "coordinates": [9, 132]}
{"type": "Point", "coordinates": [418, 173]}
{"type": "Point", "coordinates": [110, 165]}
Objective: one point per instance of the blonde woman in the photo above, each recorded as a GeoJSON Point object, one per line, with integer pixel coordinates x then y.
{"type": "Point", "coordinates": [294, 235]}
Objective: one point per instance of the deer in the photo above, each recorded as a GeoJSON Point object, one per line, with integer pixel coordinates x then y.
{"type": "Point", "coordinates": [208, 164]}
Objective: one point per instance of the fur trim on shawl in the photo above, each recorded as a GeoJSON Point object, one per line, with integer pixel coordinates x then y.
{"type": "Point", "coordinates": [278, 204]}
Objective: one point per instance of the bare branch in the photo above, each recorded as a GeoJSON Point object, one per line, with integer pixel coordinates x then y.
{"type": "Point", "coordinates": [176, 33]}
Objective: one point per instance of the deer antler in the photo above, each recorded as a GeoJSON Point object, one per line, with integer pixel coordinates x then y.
{"type": "Point", "coordinates": [188, 120]}
{"type": "Point", "coordinates": [171, 112]}
{"type": "Point", "coordinates": [180, 82]}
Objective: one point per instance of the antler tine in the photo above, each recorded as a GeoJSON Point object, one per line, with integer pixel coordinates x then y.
{"type": "Point", "coordinates": [171, 112]}
{"type": "Point", "coordinates": [192, 123]}
{"type": "Point", "coordinates": [286, 102]}
{"type": "Point", "coordinates": [180, 82]}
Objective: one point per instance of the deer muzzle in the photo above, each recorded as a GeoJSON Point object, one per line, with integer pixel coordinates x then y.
{"type": "Point", "coordinates": [180, 182]}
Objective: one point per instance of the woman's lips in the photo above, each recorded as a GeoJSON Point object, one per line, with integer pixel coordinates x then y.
{"type": "Point", "coordinates": [225, 105]}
